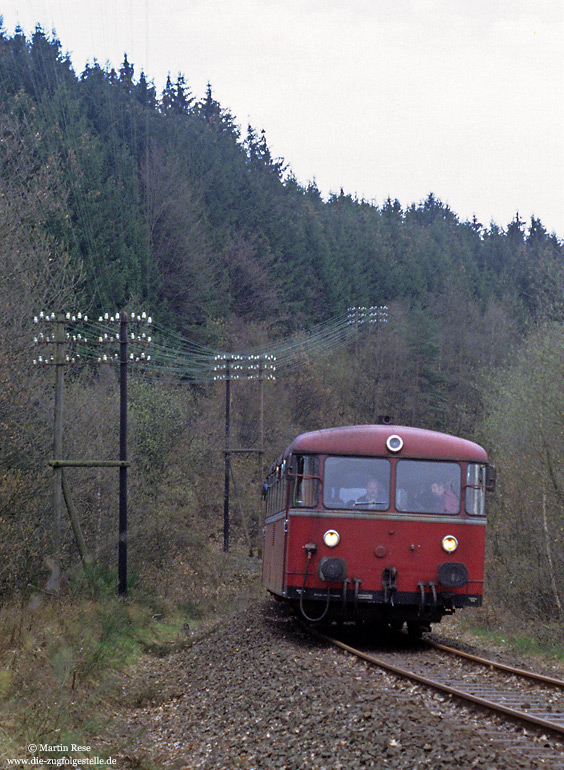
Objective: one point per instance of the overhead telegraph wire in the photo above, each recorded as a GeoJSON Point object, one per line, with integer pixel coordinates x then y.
{"type": "Point", "coordinates": [166, 353]}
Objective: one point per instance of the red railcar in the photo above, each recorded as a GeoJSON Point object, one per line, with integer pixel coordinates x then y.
{"type": "Point", "coordinates": [377, 522]}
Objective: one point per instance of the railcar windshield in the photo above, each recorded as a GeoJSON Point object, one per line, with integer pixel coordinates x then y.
{"type": "Point", "coordinates": [358, 483]}
{"type": "Point", "coordinates": [426, 486]}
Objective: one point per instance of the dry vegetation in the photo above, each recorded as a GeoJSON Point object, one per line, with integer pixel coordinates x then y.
{"type": "Point", "coordinates": [62, 661]}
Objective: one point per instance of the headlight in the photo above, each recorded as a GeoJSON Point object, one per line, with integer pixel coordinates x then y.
{"type": "Point", "coordinates": [450, 544]}
{"type": "Point", "coordinates": [331, 538]}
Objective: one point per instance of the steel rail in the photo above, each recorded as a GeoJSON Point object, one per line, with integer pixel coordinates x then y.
{"type": "Point", "coordinates": [495, 664]}
{"type": "Point", "coordinates": [521, 716]}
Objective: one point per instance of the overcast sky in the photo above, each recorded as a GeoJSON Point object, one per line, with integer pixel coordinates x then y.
{"type": "Point", "coordinates": [398, 98]}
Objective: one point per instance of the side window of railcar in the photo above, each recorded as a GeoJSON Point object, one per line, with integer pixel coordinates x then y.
{"type": "Point", "coordinates": [428, 486]}
{"type": "Point", "coordinates": [275, 497]}
{"type": "Point", "coordinates": [268, 496]}
{"type": "Point", "coordinates": [271, 494]}
{"type": "Point", "coordinates": [476, 489]}
{"type": "Point", "coordinates": [279, 489]}
{"type": "Point", "coordinates": [358, 483]}
{"type": "Point", "coordinates": [306, 483]}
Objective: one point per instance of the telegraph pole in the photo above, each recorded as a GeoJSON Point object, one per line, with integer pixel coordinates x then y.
{"type": "Point", "coordinates": [122, 542]}
{"type": "Point", "coordinates": [260, 455]}
{"type": "Point", "coordinates": [55, 579]}
{"type": "Point", "coordinates": [241, 367]}
{"type": "Point", "coordinates": [227, 453]}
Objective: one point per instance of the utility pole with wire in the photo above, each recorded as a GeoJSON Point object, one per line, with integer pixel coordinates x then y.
{"type": "Point", "coordinates": [83, 343]}
{"type": "Point", "coordinates": [241, 367]}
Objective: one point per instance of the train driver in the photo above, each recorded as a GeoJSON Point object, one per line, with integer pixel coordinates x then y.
{"type": "Point", "coordinates": [374, 495]}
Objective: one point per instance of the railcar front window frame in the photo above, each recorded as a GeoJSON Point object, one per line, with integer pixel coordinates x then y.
{"type": "Point", "coordinates": [475, 489]}
{"type": "Point", "coordinates": [304, 472]}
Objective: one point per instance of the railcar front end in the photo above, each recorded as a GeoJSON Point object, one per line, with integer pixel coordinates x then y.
{"type": "Point", "coordinates": [379, 522]}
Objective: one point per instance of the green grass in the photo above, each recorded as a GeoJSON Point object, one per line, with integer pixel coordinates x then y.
{"type": "Point", "coordinates": [511, 633]}
{"type": "Point", "coordinates": [528, 645]}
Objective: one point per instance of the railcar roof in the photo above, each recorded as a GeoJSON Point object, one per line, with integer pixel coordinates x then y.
{"type": "Point", "coordinates": [371, 440]}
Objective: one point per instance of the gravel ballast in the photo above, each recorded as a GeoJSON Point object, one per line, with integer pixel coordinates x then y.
{"type": "Point", "coordinates": [260, 692]}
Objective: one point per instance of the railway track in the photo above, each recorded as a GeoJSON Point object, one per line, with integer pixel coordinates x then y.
{"type": "Point", "coordinates": [534, 703]}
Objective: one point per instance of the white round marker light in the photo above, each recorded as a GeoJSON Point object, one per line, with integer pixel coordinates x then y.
{"type": "Point", "coordinates": [450, 544]}
{"type": "Point", "coordinates": [331, 538]}
{"type": "Point", "coordinates": [394, 443]}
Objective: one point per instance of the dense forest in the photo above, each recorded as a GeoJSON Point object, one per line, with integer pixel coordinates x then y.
{"type": "Point", "coordinates": [115, 196]}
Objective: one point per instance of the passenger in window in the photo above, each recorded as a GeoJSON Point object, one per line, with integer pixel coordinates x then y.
{"type": "Point", "coordinates": [374, 494]}
{"type": "Point", "coordinates": [445, 501]}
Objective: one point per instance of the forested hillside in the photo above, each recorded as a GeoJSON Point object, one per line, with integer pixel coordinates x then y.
{"type": "Point", "coordinates": [167, 200]}
{"type": "Point", "coordinates": [114, 195]}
